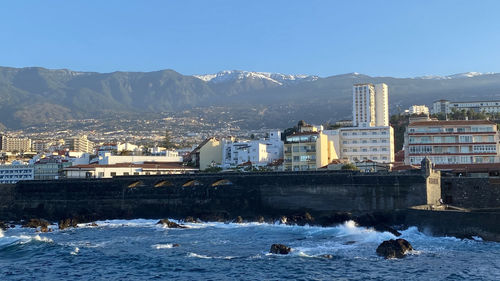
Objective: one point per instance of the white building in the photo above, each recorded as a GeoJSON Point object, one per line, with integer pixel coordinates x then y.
{"type": "Point", "coordinates": [14, 144]}
{"type": "Point", "coordinates": [106, 158]}
{"type": "Point", "coordinates": [370, 105]}
{"type": "Point", "coordinates": [258, 152]}
{"type": "Point", "coordinates": [16, 172]}
{"type": "Point", "coordinates": [126, 169]}
{"type": "Point", "coordinates": [373, 143]}
{"type": "Point", "coordinates": [418, 109]}
{"type": "Point", "coordinates": [446, 106]}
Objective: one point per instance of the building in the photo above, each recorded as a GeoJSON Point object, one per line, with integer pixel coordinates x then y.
{"type": "Point", "coordinates": [308, 149]}
{"type": "Point", "coordinates": [209, 153]}
{"type": "Point", "coordinates": [446, 106]}
{"type": "Point", "coordinates": [370, 105]}
{"type": "Point", "coordinates": [418, 109]}
{"type": "Point", "coordinates": [257, 152]}
{"type": "Point", "coordinates": [451, 142]}
{"type": "Point", "coordinates": [14, 144]}
{"type": "Point", "coordinates": [106, 158]}
{"type": "Point", "coordinates": [16, 172]}
{"type": "Point", "coordinates": [80, 144]}
{"type": "Point", "coordinates": [126, 169]}
{"type": "Point", "coordinates": [372, 143]}
{"type": "Point", "coordinates": [40, 146]}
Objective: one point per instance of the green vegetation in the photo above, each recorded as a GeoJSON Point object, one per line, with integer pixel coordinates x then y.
{"type": "Point", "coordinates": [349, 166]}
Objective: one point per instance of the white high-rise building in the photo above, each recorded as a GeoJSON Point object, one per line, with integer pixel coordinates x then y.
{"type": "Point", "coordinates": [370, 105]}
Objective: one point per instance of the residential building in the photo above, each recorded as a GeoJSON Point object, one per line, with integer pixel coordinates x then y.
{"type": "Point", "coordinates": [16, 172]}
{"type": "Point", "coordinates": [106, 158]}
{"type": "Point", "coordinates": [40, 146]}
{"type": "Point", "coordinates": [372, 143]}
{"type": "Point", "coordinates": [14, 144]}
{"type": "Point", "coordinates": [80, 144]}
{"type": "Point", "coordinates": [418, 109]}
{"type": "Point", "coordinates": [257, 152]}
{"type": "Point", "coordinates": [209, 153]}
{"type": "Point", "coordinates": [50, 170]}
{"type": "Point", "coordinates": [308, 149]}
{"type": "Point", "coordinates": [126, 169]}
{"type": "Point", "coordinates": [446, 106]}
{"type": "Point", "coordinates": [451, 142]}
{"type": "Point", "coordinates": [370, 105]}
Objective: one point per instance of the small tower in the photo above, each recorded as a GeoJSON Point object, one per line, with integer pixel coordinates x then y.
{"type": "Point", "coordinates": [426, 166]}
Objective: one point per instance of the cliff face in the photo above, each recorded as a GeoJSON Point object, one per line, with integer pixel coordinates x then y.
{"type": "Point", "coordinates": [228, 195]}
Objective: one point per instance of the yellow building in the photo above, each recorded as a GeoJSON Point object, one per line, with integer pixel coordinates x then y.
{"type": "Point", "coordinates": [309, 149]}
{"type": "Point", "coordinates": [210, 153]}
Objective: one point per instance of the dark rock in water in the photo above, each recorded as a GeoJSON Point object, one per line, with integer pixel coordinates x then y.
{"type": "Point", "coordinates": [301, 219]}
{"type": "Point", "coordinates": [378, 221]}
{"type": "Point", "coordinates": [69, 222]}
{"type": "Point", "coordinates": [280, 249]}
{"type": "Point", "coordinates": [44, 228]}
{"type": "Point", "coordinates": [170, 224]}
{"type": "Point", "coordinates": [333, 219]}
{"type": "Point", "coordinates": [175, 245]}
{"type": "Point", "coordinates": [92, 224]}
{"type": "Point", "coordinates": [3, 226]}
{"type": "Point", "coordinates": [349, 242]}
{"type": "Point", "coordinates": [260, 219]}
{"type": "Point", "coordinates": [238, 219]}
{"type": "Point", "coordinates": [326, 256]}
{"type": "Point", "coordinates": [191, 220]}
{"type": "Point", "coordinates": [394, 248]}
{"type": "Point", "coordinates": [35, 223]}
{"type": "Point", "coordinates": [283, 220]}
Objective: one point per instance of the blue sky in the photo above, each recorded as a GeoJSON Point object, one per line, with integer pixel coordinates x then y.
{"type": "Point", "coordinates": [379, 38]}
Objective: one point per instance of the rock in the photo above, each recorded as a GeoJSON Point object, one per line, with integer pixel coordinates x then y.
{"type": "Point", "coordinates": [175, 245]}
{"type": "Point", "coordinates": [238, 219]}
{"type": "Point", "coordinates": [378, 221]}
{"type": "Point", "coordinates": [280, 249]}
{"type": "Point", "coordinates": [191, 220]}
{"type": "Point", "coordinates": [349, 242]}
{"type": "Point", "coordinates": [44, 228]}
{"type": "Point", "coordinates": [283, 220]}
{"type": "Point", "coordinates": [170, 224]}
{"type": "Point", "coordinates": [3, 226]}
{"type": "Point", "coordinates": [394, 248]}
{"type": "Point", "coordinates": [92, 224]}
{"type": "Point", "coordinates": [69, 222]}
{"type": "Point", "coordinates": [35, 223]}
{"type": "Point", "coordinates": [260, 219]}
{"type": "Point", "coordinates": [301, 219]}
{"type": "Point", "coordinates": [326, 256]}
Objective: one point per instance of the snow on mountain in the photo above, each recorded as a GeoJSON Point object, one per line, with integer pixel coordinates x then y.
{"type": "Point", "coordinates": [232, 75]}
{"type": "Point", "coordinates": [454, 76]}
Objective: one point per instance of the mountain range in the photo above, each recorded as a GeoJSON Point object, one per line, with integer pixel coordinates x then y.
{"type": "Point", "coordinates": [34, 95]}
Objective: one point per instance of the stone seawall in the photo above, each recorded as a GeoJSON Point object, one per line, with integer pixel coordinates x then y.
{"type": "Point", "coordinates": [228, 195]}
{"type": "Point", "coordinates": [471, 192]}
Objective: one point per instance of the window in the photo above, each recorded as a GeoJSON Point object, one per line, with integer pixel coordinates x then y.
{"type": "Point", "coordinates": [344, 142]}
{"type": "Point", "coordinates": [384, 149]}
{"type": "Point", "coordinates": [364, 150]}
{"type": "Point", "coordinates": [374, 141]}
{"type": "Point", "coordinates": [374, 149]}
{"type": "Point", "coordinates": [125, 173]}
{"type": "Point", "coordinates": [113, 174]}
{"type": "Point", "coordinates": [466, 139]}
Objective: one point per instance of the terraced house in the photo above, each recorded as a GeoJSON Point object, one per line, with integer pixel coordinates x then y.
{"type": "Point", "coordinates": [452, 142]}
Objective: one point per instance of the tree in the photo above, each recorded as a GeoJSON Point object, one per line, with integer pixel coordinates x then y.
{"type": "Point", "coordinates": [349, 166]}
{"type": "Point", "coordinates": [167, 143]}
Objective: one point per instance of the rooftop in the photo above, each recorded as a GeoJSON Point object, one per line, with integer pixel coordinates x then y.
{"type": "Point", "coordinates": [451, 122]}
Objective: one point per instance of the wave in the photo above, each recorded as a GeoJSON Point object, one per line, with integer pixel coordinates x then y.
{"type": "Point", "coordinates": [162, 246]}
{"type": "Point", "coordinates": [195, 255]}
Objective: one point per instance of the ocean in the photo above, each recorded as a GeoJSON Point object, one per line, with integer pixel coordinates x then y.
{"type": "Point", "coordinates": [142, 250]}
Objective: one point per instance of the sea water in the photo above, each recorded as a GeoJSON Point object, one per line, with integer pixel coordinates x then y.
{"type": "Point", "coordinates": [143, 250]}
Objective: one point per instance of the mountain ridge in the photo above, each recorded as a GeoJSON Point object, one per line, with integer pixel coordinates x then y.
{"type": "Point", "coordinates": [35, 95]}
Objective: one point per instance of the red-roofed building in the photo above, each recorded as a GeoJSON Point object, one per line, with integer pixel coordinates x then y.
{"type": "Point", "coordinates": [451, 142]}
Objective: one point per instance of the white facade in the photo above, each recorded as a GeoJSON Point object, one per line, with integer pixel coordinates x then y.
{"type": "Point", "coordinates": [259, 152]}
{"type": "Point", "coordinates": [370, 105]}
{"type": "Point", "coordinates": [14, 144]}
{"type": "Point", "coordinates": [109, 171]}
{"type": "Point", "coordinates": [107, 159]}
{"type": "Point", "coordinates": [360, 144]}
{"type": "Point", "coordinates": [418, 109]}
{"type": "Point", "coordinates": [16, 172]}
{"type": "Point", "coordinates": [445, 106]}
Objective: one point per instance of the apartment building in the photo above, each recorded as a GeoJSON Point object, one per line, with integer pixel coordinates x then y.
{"type": "Point", "coordinates": [446, 106]}
{"type": "Point", "coordinates": [370, 106]}
{"type": "Point", "coordinates": [10, 174]}
{"type": "Point", "coordinates": [418, 109]}
{"type": "Point", "coordinates": [80, 144]}
{"type": "Point", "coordinates": [308, 149]}
{"type": "Point", "coordinates": [259, 152]}
{"type": "Point", "coordinates": [372, 143]}
{"type": "Point", "coordinates": [451, 142]}
{"type": "Point", "coordinates": [14, 144]}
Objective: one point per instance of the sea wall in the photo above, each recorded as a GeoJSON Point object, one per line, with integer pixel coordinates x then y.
{"type": "Point", "coordinates": [471, 192]}
{"type": "Point", "coordinates": [229, 195]}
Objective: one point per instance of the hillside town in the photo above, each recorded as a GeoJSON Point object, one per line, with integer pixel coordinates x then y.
{"type": "Point", "coordinates": [455, 136]}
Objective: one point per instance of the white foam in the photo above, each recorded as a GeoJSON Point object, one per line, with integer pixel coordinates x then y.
{"type": "Point", "coordinates": [1, 233]}
{"type": "Point", "coordinates": [162, 246]}
{"type": "Point", "coordinates": [76, 251]}
{"type": "Point", "coordinates": [194, 255]}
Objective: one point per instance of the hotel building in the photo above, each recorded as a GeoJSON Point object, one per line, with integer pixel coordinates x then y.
{"type": "Point", "coordinates": [451, 142]}
{"type": "Point", "coordinates": [446, 106]}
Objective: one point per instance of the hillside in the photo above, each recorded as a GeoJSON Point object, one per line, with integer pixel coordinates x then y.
{"type": "Point", "coordinates": [33, 95]}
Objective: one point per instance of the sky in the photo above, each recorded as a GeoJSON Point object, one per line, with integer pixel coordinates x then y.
{"type": "Point", "coordinates": [373, 37]}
